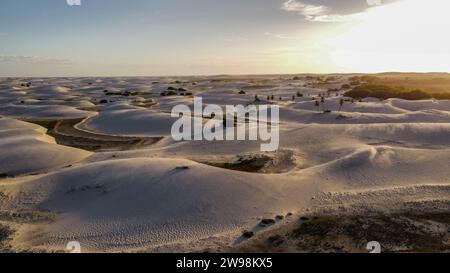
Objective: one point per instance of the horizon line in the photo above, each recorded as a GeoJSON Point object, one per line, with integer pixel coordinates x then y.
{"type": "Point", "coordinates": [234, 75]}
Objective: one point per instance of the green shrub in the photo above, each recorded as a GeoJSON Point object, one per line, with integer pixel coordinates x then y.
{"type": "Point", "coordinates": [386, 92]}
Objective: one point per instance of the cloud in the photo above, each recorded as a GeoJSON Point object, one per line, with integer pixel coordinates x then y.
{"type": "Point", "coordinates": [317, 13]}
{"type": "Point", "coordinates": [304, 9]}
{"type": "Point", "coordinates": [232, 39]}
{"type": "Point", "coordinates": [33, 60]}
{"type": "Point", "coordinates": [278, 35]}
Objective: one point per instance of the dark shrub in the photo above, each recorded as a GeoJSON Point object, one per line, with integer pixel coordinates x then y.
{"type": "Point", "coordinates": [386, 92]}
{"type": "Point", "coordinates": [267, 222]}
{"type": "Point", "coordinates": [248, 234]}
{"type": "Point", "coordinates": [168, 93]}
{"type": "Point", "coordinates": [5, 232]}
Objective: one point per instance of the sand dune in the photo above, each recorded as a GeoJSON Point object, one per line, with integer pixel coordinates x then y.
{"type": "Point", "coordinates": [187, 196]}
{"type": "Point", "coordinates": [27, 149]}
{"type": "Point", "coordinates": [130, 203]}
{"type": "Point", "coordinates": [134, 122]}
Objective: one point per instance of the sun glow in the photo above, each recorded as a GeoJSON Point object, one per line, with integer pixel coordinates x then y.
{"type": "Point", "coordinates": [410, 35]}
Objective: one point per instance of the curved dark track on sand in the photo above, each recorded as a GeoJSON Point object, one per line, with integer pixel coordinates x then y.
{"type": "Point", "coordinates": [66, 133]}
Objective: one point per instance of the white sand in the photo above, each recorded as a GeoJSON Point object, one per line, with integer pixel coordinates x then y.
{"type": "Point", "coordinates": [25, 149]}
{"type": "Point", "coordinates": [372, 153]}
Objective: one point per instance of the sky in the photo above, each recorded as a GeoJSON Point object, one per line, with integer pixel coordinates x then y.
{"type": "Point", "coordinates": [212, 37]}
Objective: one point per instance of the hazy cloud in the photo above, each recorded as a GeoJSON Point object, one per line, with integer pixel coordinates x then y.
{"type": "Point", "coordinates": [279, 35]}
{"type": "Point", "coordinates": [32, 59]}
{"type": "Point", "coordinates": [307, 10]}
{"type": "Point", "coordinates": [232, 39]}
{"type": "Point", "coordinates": [317, 13]}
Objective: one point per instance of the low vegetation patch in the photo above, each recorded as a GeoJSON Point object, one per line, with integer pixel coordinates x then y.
{"type": "Point", "coordinates": [409, 86]}
{"type": "Point", "coordinates": [402, 232]}
{"type": "Point", "coordinates": [253, 164]}
{"type": "Point", "coordinates": [5, 234]}
{"type": "Point", "coordinates": [22, 217]}
{"type": "Point", "coordinates": [384, 92]}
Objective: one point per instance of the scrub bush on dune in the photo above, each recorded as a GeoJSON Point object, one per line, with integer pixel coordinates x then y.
{"type": "Point", "coordinates": [384, 92]}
